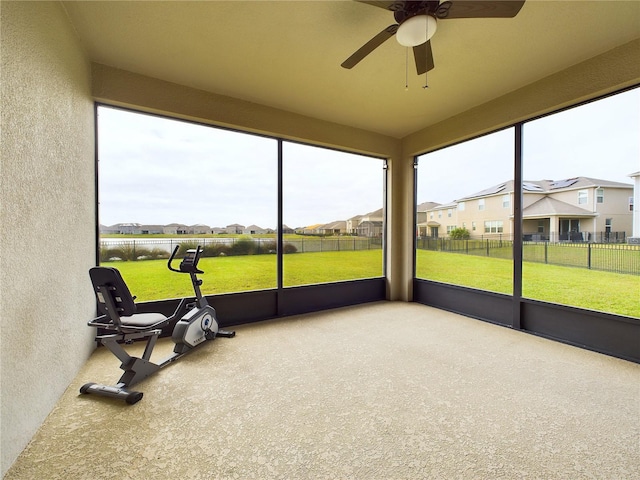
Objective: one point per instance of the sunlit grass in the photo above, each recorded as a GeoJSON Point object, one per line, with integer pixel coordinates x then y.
{"type": "Point", "coordinates": [151, 280]}
{"type": "Point", "coordinates": [578, 287]}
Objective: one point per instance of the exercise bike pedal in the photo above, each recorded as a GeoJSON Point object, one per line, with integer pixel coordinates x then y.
{"type": "Point", "coordinates": [226, 333]}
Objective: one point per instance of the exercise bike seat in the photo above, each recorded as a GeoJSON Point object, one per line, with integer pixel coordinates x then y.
{"type": "Point", "coordinates": [116, 304]}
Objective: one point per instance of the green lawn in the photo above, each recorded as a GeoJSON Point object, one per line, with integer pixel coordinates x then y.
{"type": "Point", "coordinates": [579, 287]}
{"type": "Point", "coordinates": [151, 280]}
{"type": "Point", "coordinates": [596, 290]}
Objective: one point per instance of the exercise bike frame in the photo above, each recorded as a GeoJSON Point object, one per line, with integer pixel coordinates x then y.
{"type": "Point", "coordinates": [115, 299]}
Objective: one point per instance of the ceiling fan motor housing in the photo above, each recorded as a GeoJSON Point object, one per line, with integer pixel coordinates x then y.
{"type": "Point", "coordinates": [402, 11]}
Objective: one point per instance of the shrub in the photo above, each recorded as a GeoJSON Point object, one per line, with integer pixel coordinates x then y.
{"type": "Point", "coordinates": [243, 246]}
{"type": "Point", "coordinates": [131, 252]}
{"type": "Point", "coordinates": [459, 234]}
{"type": "Point", "coordinates": [216, 249]}
{"type": "Point", "coordinates": [187, 245]}
{"type": "Point", "coordinates": [267, 247]}
{"type": "Point", "coordinates": [289, 248]}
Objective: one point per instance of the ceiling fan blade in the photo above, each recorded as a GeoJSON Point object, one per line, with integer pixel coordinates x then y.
{"type": "Point", "coordinates": [423, 57]}
{"type": "Point", "coordinates": [381, 4]}
{"type": "Point", "coordinates": [370, 46]}
{"type": "Point", "coordinates": [484, 9]}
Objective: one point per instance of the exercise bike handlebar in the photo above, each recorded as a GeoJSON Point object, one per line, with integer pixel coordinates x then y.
{"type": "Point", "coordinates": [189, 263]}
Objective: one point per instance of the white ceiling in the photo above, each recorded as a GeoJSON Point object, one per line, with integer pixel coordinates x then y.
{"type": "Point", "coordinates": [287, 54]}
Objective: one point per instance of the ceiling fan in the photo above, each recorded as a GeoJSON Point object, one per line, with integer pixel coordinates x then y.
{"type": "Point", "coordinates": [417, 22]}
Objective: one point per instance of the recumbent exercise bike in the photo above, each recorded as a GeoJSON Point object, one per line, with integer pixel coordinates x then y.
{"type": "Point", "coordinates": [119, 323]}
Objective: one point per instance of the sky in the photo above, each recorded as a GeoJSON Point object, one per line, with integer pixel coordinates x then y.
{"type": "Point", "coordinates": [154, 170]}
{"type": "Point", "coordinates": [598, 140]}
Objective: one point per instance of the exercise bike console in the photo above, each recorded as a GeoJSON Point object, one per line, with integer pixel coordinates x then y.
{"type": "Point", "coordinates": [189, 263]}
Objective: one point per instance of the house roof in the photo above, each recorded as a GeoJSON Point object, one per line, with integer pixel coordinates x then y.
{"type": "Point", "coordinates": [547, 186]}
{"type": "Point", "coordinates": [425, 206]}
{"type": "Point", "coordinates": [335, 225]}
{"type": "Point", "coordinates": [444, 206]}
{"type": "Point", "coordinates": [548, 206]}
{"type": "Point", "coordinates": [293, 52]}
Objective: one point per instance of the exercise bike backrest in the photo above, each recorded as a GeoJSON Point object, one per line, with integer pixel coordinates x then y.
{"type": "Point", "coordinates": [189, 263]}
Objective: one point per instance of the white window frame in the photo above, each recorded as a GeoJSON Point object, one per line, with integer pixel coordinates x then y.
{"type": "Point", "coordinates": [493, 226]}
{"type": "Point", "coordinates": [583, 197]}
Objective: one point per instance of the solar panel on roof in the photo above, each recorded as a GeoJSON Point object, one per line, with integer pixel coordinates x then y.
{"type": "Point", "coordinates": [491, 191]}
{"type": "Point", "coordinates": [563, 183]}
{"type": "Point", "coordinates": [532, 187]}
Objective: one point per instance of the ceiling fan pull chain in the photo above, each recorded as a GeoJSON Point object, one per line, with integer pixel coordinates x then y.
{"type": "Point", "coordinates": [406, 69]}
{"type": "Point", "coordinates": [426, 55]}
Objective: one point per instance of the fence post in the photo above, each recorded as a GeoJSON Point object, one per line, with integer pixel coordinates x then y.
{"type": "Point", "coordinates": [546, 252]}
{"type": "Point", "coordinates": [487, 247]}
{"type": "Point", "coordinates": [589, 256]}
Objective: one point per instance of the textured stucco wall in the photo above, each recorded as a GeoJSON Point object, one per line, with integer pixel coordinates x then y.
{"type": "Point", "coordinates": [47, 216]}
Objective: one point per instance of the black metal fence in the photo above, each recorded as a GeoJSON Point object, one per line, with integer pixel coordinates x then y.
{"type": "Point", "coordinates": [608, 257]}
{"type": "Point", "coordinates": [577, 237]}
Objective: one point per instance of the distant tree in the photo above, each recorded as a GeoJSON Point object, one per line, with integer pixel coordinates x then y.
{"type": "Point", "coordinates": [459, 234]}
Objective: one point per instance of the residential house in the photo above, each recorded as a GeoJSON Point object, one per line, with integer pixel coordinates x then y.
{"type": "Point", "coordinates": [352, 224]}
{"type": "Point", "coordinates": [370, 228]}
{"type": "Point", "coordinates": [371, 224]}
{"type": "Point", "coordinates": [122, 228]}
{"type": "Point", "coordinates": [176, 229]}
{"type": "Point", "coordinates": [573, 209]}
{"type": "Point", "coordinates": [440, 218]}
{"type": "Point", "coordinates": [253, 230]}
{"type": "Point", "coordinates": [151, 229]}
{"type": "Point", "coordinates": [334, 228]}
{"type": "Point", "coordinates": [104, 229]}
{"type": "Point", "coordinates": [199, 229]}
{"type": "Point", "coordinates": [286, 229]}
{"type": "Point", "coordinates": [422, 214]}
{"type": "Point", "coordinates": [234, 228]}
{"type": "Point", "coordinates": [310, 229]}
{"type": "Point", "coordinates": [634, 206]}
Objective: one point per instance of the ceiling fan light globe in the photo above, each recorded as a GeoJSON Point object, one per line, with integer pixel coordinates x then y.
{"type": "Point", "coordinates": [416, 30]}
